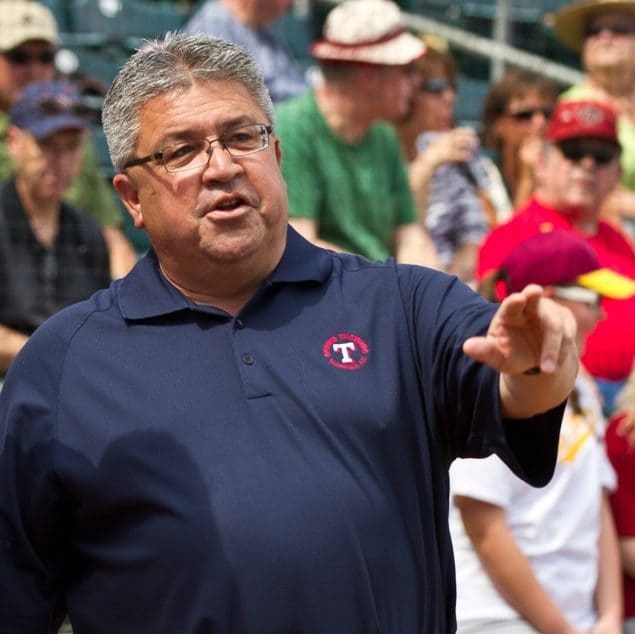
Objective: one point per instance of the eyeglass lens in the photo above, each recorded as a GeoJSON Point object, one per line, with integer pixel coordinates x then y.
{"type": "Point", "coordinates": [575, 151]}
{"type": "Point", "coordinates": [437, 85]}
{"type": "Point", "coordinates": [195, 153]}
{"type": "Point", "coordinates": [527, 114]}
{"type": "Point", "coordinates": [21, 58]}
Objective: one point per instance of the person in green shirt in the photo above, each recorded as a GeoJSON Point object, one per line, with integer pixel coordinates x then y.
{"type": "Point", "coordinates": [346, 177]}
{"type": "Point", "coordinates": [28, 42]}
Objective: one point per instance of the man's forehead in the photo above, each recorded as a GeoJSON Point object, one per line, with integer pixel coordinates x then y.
{"type": "Point", "coordinates": [215, 100]}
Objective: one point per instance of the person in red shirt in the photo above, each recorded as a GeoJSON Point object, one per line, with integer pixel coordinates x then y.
{"type": "Point", "coordinates": [577, 169]}
{"type": "Point", "coordinates": [620, 446]}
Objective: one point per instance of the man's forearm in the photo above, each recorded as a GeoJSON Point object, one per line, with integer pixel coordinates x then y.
{"type": "Point", "coordinates": [526, 395]}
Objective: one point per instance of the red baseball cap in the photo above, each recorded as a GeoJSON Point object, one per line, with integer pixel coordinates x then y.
{"type": "Point", "coordinates": [582, 119]}
{"type": "Point", "coordinates": [561, 258]}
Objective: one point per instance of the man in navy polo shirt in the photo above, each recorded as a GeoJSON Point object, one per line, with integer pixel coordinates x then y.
{"type": "Point", "coordinates": [248, 433]}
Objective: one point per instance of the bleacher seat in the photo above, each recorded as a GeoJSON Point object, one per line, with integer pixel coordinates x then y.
{"type": "Point", "coordinates": [117, 20]}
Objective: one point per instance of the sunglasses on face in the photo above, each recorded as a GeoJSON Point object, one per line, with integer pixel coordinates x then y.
{"type": "Point", "coordinates": [437, 85]}
{"type": "Point", "coordinates": [22, 58]}
{"type": "Point", "coordinates": [527, 114]}
{"type": "Point", "coordinates": [575, 151]}
{"type": "Point", "coordinates": [617, 28]}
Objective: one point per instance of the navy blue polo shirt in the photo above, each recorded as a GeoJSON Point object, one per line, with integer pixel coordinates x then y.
{"type": "Point", "coordinates": [167, 467]}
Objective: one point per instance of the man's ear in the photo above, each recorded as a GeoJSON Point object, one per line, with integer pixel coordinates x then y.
{"type": "Point", "coordinates": [278, 150]}
{"type": "Point", "coordinates": [129, 195]}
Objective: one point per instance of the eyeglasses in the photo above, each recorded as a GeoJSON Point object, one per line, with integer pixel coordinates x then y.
{"type": "Point", "coordinates": [437, 85]}
{"type": "Point", "coordinates": [22, 58]}
{"type": "Point", "coordinates": [61, 105]}
{"type": "Point", "coordinates": [527, 114]}
{"type": "Point", "coordinates": [190, 155]}
{"type": "Point", "coordinates": [617, 28]}
{"type": "Point", "coordinates": [574, 150]}
{"type": "Point", "coordinates": [578, 294]}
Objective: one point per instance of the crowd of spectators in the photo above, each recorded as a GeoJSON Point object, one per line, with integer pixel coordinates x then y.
{"type": "Point", "coordinates": [375, 164]}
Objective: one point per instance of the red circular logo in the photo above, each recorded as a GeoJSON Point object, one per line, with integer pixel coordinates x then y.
{"type": "Point", "coordinates": [346, 351]}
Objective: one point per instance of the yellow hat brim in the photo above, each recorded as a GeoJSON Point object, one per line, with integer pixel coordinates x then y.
{"type": "Point", "coordinates": [608, 283]}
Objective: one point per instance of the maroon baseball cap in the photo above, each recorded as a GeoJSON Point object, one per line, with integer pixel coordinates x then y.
{"type": "Point", "coordinates": [561, 258]}
{"type": "Point", "coordinates": [582, 119]}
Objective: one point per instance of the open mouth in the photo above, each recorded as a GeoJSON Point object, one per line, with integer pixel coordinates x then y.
{"type": "Point", "coordinates": [229, 205]}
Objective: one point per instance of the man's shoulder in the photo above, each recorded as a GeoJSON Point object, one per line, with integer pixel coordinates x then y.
{"type": "Point", "coordinates": [404, 279]}
{"type": "Point", "coordinates": [47, 348]}
{"type": "Point", "coordinates": [295, 111]}
{"type": "Point", "coordinates": [612, 237]}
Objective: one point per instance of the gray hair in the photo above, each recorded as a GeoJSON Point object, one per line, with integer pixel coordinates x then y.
{"type": "Point", "coordinates": [175, 62]}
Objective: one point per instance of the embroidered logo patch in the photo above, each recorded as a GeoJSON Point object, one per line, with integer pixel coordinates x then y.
{"type": "Point", "coordinates": [346, 351]}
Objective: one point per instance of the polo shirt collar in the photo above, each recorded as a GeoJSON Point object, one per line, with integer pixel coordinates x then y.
{"type": "Point", "coordinates": [145, 293]}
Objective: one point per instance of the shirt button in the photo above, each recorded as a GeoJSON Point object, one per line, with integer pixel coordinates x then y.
{"type": "Point", "coordinates": [238, 323]}
{"type": "Point", "coordinates": [248, 359]}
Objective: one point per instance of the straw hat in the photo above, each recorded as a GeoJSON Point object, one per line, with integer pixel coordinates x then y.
{"type": "Point", "coordinates": [367, 31]}
{"type": "Point", "coordinates": [569, 23]}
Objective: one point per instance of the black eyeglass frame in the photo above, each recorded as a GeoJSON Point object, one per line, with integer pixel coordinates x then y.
{"type": "Point", "coordinates": [526, 114]}
{"type": "Point", "coordinates": [155, 156]}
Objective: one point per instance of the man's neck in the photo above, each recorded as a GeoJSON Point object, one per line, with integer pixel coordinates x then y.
{"type": "Point", "coordinates": [344, 113]}
{"type": "Point", "coordinates": [233, 284]}
{"type": "Point", "coordinates": [614, 82]}
{"type": "Point", "coordinates": [585, 219]}
{"type": "Point", "coordinates": [42, 215]}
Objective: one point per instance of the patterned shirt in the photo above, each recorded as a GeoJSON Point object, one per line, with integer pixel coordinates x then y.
{"type": "Point", "coordinates": [283, 76]}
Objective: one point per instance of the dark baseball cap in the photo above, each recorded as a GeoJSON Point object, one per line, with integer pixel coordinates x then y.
{"type": "Point", "coordinates": [48, 107]}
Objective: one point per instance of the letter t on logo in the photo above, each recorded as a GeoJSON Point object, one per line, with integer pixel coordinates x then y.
{"type": "Point", "coordinates": [344, 348]}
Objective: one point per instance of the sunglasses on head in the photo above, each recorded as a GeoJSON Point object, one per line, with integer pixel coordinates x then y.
{"type": "Point", "coordinates": [574, 151]}
{"type": "Point", "coordinates": [437, 85]}
{"type": "Point", "coordinates": [52, 106]}
{"type": "Point", "coordinates": [579, 294]}
{"type": "Point", "coordinates": [617, 28]}
{"type": "Point", "coordinates": [527, 114]}
{"type": "Point", "coordinates": [21, 58]}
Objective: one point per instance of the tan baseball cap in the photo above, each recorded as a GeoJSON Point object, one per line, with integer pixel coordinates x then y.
{"type": "Point", "coordinates": [23, 21]}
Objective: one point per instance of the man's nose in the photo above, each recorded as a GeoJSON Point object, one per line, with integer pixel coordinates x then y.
{"type": "Point", "coordinates": [221, 165]}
